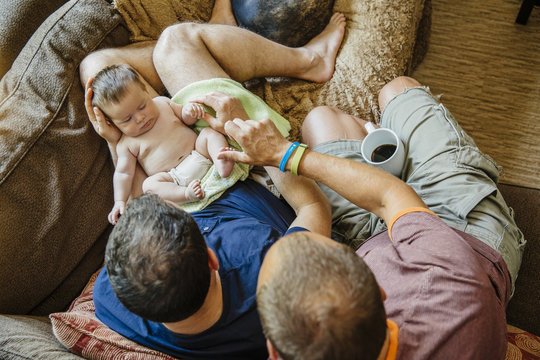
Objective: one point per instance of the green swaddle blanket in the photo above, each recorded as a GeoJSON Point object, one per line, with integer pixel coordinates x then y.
{"type": "Point", "coordinates": [212, 184]}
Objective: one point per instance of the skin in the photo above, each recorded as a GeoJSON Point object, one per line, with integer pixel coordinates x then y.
{"type": "Point", "coordinates": [374, 190]}
{"type": "Point", "coordinates": [151, 129]}
{"type": "Point", "coordinates": [206, 50]}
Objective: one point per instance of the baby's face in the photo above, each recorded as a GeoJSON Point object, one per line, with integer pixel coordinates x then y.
{"type": "Point", "coordinates": [135, 113]}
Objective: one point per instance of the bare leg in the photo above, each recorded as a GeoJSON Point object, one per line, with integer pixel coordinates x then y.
{"type": "Point", "coordinates": [190, 52]}
{"type": "Point", "coordinates": [395, 87]}
{"type": "Point", "coordinates": [326, 123]}
{"type": "Point", "coordinates": [209, 144]}
{"type": "Point", "coordinates": [163, 185]}
{"type": "Point", "coordinates": [139, 55]}
{"type": "Point", "coordinates": [222, 13]}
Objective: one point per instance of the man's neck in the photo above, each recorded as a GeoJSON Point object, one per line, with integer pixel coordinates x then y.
{"type": "Point", "coordinates": [207, 315]}
{"type": "Point", "coordinates": [386, 345]}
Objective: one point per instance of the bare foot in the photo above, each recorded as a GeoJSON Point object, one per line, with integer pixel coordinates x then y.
{"type": "Point", "coordinates": [222, 13]}
{"type": "Point", "coordinates": [224, 167]}
{"type": "Point", "coordinates": [324, 48]}
{"type": "Point", "coordinates": [194, 191]}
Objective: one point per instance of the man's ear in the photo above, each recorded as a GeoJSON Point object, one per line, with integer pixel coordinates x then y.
{"type": "Point", "coordinates": [383, 293]}
{"type": "Point", "coordinates": [273, 355]}
{"type": "Point", "coordinates": [213, 262]}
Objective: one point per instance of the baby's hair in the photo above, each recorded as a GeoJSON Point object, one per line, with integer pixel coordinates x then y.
{"type": "Point", "coordinates": [112, 83]}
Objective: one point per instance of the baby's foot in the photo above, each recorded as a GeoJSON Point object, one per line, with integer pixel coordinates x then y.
{"type": "Point", "coordinates": [224, 167]}
{"type": "Point", "coordinates": [324, 48]}
{"type": "Point", "coordinates": [194, 190]}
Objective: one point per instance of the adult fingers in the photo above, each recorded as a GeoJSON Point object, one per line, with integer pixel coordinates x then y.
{"type": "Point", "coordinates": [241, 130]}
{"type": "Point", "coordinates": [236, 156]}
{"type": "Point", "coordinates": [214, 99]}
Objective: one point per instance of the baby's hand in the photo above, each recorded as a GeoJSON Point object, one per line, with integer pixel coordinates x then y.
{"type": "Point", "coordinates": [192, 112]}
{"type": "Point", "coordinates": [116, 211]}
{"type": "Point", "coordinates": [194, 191]}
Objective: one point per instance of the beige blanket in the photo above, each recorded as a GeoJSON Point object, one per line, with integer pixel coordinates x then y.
{"type": "Point", "coordinates": [378, 46]}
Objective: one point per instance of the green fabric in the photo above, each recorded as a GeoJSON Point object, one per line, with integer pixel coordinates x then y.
{"type": "Point", "coordinates": [212, 183]}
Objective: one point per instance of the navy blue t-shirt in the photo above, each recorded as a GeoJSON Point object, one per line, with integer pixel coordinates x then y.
{"type": "Point", "coordinates": [239, 227]}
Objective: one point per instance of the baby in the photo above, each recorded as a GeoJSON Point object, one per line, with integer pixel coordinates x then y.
{"type": "Point", "coordinates": [155, 133]}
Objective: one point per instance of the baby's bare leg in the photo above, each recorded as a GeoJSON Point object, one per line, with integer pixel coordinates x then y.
{"type": "Point", "coordinates": [209, 144]}
{"type": "Point", "coordinates": [162, 184]}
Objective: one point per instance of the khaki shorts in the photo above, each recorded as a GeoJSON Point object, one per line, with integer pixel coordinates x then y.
{"type": "Point", "coordinates": [446, 169]}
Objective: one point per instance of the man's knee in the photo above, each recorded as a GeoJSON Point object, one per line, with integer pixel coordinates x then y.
{"type": "Point", "coordinates": [177, 35]}
{"type": "Point", "coordinates": [395, 87]}
{"type": "Point", "coordinates": [315, 123]}
{"type": "Point", "coordinates": [317, 116]}
{"type": "Point", "coordinates": [326, 123]}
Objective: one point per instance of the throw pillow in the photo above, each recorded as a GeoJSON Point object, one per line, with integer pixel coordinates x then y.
{"type": "Point", "coordinates": [80, 331]}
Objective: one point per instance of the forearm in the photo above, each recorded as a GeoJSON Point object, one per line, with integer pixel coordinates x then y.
{"type": "Point", "coordinates": [122, 186]}
{"type": "Point", "coordinates": [368, 187]}
{"type": "Point", "coordinates": [311, 206]}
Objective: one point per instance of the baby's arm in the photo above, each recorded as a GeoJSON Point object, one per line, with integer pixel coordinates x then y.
{"type": "Point", "coordinates": [192, 112]}
{"type": "Point", "coordinates": [122, 180]}
{"type": "Point", "coordinates": [189, 113]}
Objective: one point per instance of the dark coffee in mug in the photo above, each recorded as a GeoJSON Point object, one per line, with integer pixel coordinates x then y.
{"type": "Point", "coordinates": [383, 152]}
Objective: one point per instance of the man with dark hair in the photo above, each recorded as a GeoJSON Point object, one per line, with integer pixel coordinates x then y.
{"type": "Point", "coordinates": [166, 288]}
{"type": "Point", "coordinates": [448, 270]}
{"type": "Point", "coordinates": [156, 253]}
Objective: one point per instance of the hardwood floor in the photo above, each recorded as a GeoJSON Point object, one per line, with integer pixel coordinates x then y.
{"type": "Point", "coordinates": [488, 70]}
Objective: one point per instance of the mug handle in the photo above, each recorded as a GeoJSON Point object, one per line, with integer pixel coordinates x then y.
{"type": "Point", "coordinates": [370, 127]}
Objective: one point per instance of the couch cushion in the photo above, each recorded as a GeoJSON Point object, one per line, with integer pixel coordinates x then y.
{"type": "Point", "coordinates": [523, 310]}
{"type": "Point", "coordinates": [18, 21]}
{"type": "Point", "coordinates": [79, 330]}
{"type": "Point", "coordinates": [55, 172]}
{"type": "Point", "coordinates": [30, 338]}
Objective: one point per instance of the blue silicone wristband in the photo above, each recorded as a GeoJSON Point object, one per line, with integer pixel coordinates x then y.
{"type": "Point", "coordinates": [287, 156]}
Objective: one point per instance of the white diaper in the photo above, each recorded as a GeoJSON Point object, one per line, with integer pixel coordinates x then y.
{"type": "Point", "coordinates": [194, 166]}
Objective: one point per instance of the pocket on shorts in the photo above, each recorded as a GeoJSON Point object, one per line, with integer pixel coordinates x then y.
{"type": "Point", "coordinates": [470, 158]}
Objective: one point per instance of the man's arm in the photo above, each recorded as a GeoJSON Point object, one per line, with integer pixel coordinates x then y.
{"type": "Point", "coordinates": [311, 206]}
{"type": "Point", "coordinates": [366, 186]}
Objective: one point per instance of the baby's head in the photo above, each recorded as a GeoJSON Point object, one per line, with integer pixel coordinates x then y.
{"type": "Point", "coordinates": [121, 94]}
{"type": "Point", "coordinates": [112, 83]}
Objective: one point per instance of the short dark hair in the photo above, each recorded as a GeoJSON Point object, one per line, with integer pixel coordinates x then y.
{"type": "Point", "coordinates": [321, 302]}
{"type": "Point", "coordinates": [157, 261]}
{"type": "Point", "coordinates": [112, 82]}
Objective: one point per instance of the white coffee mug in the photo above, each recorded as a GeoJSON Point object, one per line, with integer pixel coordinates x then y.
{"type": "Point", "coordinates": [382, 148]}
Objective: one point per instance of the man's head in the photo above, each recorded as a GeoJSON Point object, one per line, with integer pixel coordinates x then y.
{"type": "Point", "coordinates": [120, 93]}
{"type": "Point", "coordinates": [318, 300]}
{"type": "Point", "coordinates": [157, 261]}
